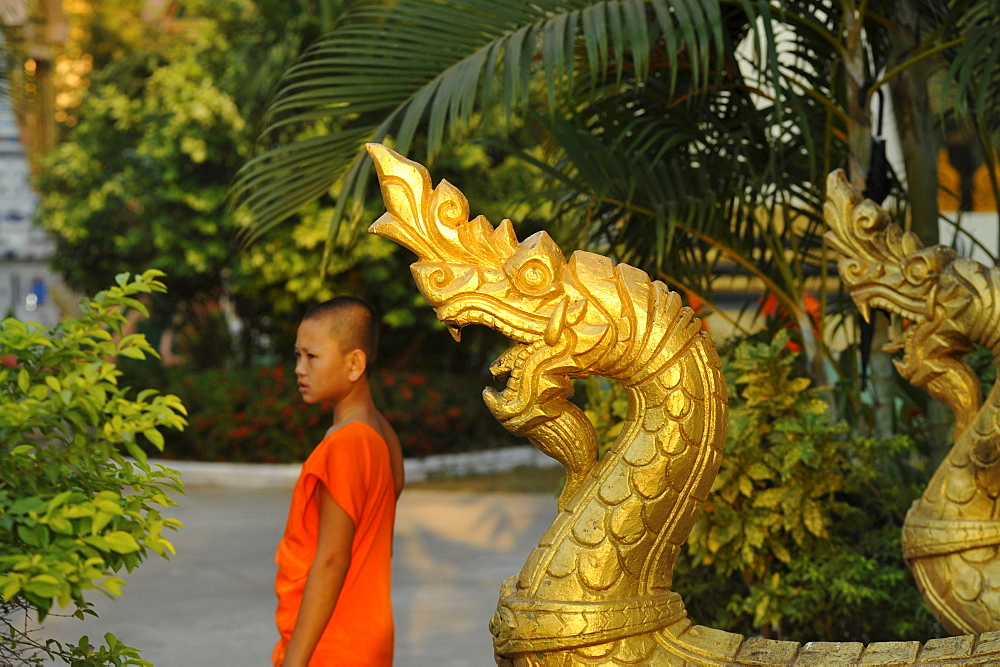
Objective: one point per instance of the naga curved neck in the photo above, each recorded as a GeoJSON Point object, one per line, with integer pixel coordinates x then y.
{"type": "Point", "coordinates": [966, 485]}
{"type": "Point", "coordinates": [610, 552]}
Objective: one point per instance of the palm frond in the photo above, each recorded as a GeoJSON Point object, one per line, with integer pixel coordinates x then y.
{"type": "Point", "coordinates": [426, 66]}
{"type": "Point", "coordinates": [974, 70]}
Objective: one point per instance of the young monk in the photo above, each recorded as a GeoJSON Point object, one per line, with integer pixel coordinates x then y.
{"type": "Point", "coordinates": [333, 582]}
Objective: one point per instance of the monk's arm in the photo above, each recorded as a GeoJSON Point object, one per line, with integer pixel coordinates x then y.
{"type": "Point", "coordinates": [325, 579]}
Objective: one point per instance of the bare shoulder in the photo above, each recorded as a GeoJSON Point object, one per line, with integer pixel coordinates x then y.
{"type": "Point", "coordinates": [388, 434]}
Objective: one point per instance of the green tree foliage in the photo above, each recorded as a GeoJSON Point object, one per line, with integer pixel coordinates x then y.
{"type": "Point", "coordinates": [73, 510]}
{"type": "Point", "coordinates": [141, 180]}
{"type": "Point", "coordinates": [800, 537]}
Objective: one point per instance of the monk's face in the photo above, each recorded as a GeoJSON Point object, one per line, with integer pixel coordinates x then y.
{"type": "Point", "coordinates": [325, 373]}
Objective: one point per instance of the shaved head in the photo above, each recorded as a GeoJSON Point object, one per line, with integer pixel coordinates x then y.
{"type": "Point", "coordinates": [352, 323]}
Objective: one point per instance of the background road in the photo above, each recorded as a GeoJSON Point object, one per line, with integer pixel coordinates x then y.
{"type": "Point", "coordinates": [212, 604]}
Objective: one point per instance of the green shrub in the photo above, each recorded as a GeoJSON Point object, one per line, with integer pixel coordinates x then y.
{"type": "Point", "coordinates": [257, 414]}
{"type": "Point", "coordinates": [800, 537]}
{"type": "Point", "coordinates": [73, 510]}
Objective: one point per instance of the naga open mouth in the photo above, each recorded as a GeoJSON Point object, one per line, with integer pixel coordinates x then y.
{"type": "Point", "coordinates": [904, 318]}
{"type": "Point", "coordinates": [900, 334]}
{"type": "Point", "coordinates": [902, 324]}
{"type": "Point", "coordinates": [508, 366]}
{"type": "Point", "coordinates": [461, 312]}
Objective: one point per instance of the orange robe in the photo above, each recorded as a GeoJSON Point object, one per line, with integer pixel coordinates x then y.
{"type": "Point", "coordinates": [353, 463]}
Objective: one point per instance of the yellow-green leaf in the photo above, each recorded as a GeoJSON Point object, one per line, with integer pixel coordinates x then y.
{"type": "Point", "coordinates": [121, 542]}
{"type": "Point", "coordinates": [61, 525]}
{"type": "Point", "coordinates": [813, 519]}
{"type": "Point", "coordinates": [114, 585]}
{"type": "Point", "coordinates": [43, 585]}
{"type": "Point", "coordinates": [759, 471]}
{"type": "Point", "coordinates": [101, 520]}
{"type": "Point", "coordinates": [154, 437]}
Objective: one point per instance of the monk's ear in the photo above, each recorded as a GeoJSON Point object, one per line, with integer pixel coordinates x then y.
{"type": "Point", "coordinates": [357, 363]}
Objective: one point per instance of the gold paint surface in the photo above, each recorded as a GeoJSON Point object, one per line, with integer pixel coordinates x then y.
{"type": "Point", "coordinates": [951, 535]}
{"type": "Point", "coordinates": [595, 591]}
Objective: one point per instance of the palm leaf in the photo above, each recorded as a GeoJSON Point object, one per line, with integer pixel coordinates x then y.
{"type": "Point", "coordinates": [427, 66]}
{"type": "Point", "coordinates": [975, 64]}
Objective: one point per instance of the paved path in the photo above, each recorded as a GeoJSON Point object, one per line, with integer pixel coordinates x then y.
{"type": "Point", "coordinates": [212, 604]}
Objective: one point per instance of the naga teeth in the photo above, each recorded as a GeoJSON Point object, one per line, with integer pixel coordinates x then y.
{"type": "Point", "coordinates": [895, 327]}
{"type": "Point", "coordinates": [456, 333]}
{"type": "Point", "coordinates": [494, 322]}
{"type": "Point", "coordinates": [894, 346]}
{"type": "Point", "coordinates": [866, 312]}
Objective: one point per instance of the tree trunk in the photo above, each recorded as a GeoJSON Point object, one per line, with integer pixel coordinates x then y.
{"type": "Point", "coordinates": [915, 122]}
{"type": "Point", "coordinates": [859, 129]}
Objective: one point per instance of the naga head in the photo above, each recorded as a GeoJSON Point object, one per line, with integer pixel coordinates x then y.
{"type": "Point", "coordinates": [469, 272]}
{"type": "Point", "coordinates": [936, 293]}
{"type": "Point", "coordinates": [473, 273]}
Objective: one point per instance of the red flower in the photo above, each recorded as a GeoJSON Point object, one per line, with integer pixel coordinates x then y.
{"type": "Point", "coordinates": [773, 308]}
{"type": "Point", "coordinates": [700, 309]}
{"type": "Point", "coordinates": [205, 423]}
{"type": "Point", "coordinates": [417, 380]}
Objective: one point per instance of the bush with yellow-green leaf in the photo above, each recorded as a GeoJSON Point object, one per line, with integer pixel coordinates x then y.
{"type": "Point", "coordinates": [74, 510]}
{"type": "Point", "coordinates": [800, 537]}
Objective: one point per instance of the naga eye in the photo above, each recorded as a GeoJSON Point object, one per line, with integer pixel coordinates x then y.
{"type": "Point", "coordinates": [533, 276]}
{"type": "Point", "coordinates": [918, 269]}
{"type": "Point", "coordinates": [536, 266]}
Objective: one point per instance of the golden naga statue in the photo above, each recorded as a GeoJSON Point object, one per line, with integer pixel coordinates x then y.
{"type": "Point", "coordinates": [597, 588]}
{"type": "Point", "coordinates": [951, 535]}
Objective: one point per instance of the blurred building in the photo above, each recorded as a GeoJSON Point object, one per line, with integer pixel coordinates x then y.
{"type": "Point", "coordinates": [29, 289]}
